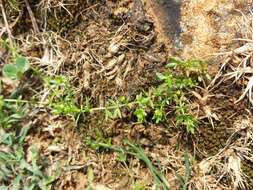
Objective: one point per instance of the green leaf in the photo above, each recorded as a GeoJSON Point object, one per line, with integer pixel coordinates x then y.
{"type": "Point", "coordinates": [138, 186]}
{"type": "Point", "coordinates": [140, 114]}
{"type": "Point", "coordinates": [46, 183]}
{"type": "Point", "coordinates": [33, 169]}
{"type": "Point", "coordinates": [121, 156]}
{"type": "Point", "coordinates": [171, 65]}
{"type": "Point", "coordinates": [122, 99]}
{"type": "Point", "coordinates": [10, 71]}
{"type": "Point", "coordinates": [167, 78]}
{"type": "Point", "coordinates": [15, 71]}
{"type": "Point", "coordinates": [22, 135]}
{"type": "Point", "coordinates": [158, 115]}
{"type": "Point", "coordinates": [3, 188]}
{"type": "Point", "coordinates": [108, 114]}
{"type": "Point", "coordinates": [175, 60]}
{"type": "Point", "coordinates": [16, 183]}
{"type": "Point", "coordinates": [22, 64]}
{"type": "Point", "coordinates": [187, 170]}
{"type": "Point", "coordinates": [143, 101]}
{"type": "Point", "coordinates": [90, 175]}
{"type": "Point", "coordinates": [64, 108]}
{"type": "Point", "coordinates": [187, 121]}
{"type": "Point", "coordinates": [1, 103]}
{"type": "Point", "coordinates": [160, 76]}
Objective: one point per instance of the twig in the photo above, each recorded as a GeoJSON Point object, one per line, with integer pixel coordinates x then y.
{"type": "Point", "coordinates": [6, 24]}
{"type": "Point", "coordinates": [247, 90]}
{"type": "Point", "coordinates": [248, 47]}
{"type": "Point", "coordinates": [11, 25]}
{"type": "Point", "coordinates": [35, 26]}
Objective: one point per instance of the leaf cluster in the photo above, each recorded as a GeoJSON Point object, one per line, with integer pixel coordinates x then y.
{"type": "Point", "coordinates": [167, 98]}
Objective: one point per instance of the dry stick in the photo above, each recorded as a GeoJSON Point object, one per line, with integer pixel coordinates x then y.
{"type": "Point", "coordinates": [34, 23]}
{"type": "Point", "coordinates": [6, 24]}
{"type": "Point", "coordinates": [11, 25]}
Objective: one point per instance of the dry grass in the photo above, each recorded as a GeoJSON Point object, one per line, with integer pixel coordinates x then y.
{"type": "Point", "coordinates": [227, 163]}
{"type": "Point", "coordinates": [51, 58]}
{"type": "Point", "coordinates": [238, 63]}
{"type": "Point", "coordinates": [236, 69]}
{"type": "Point", "coordinates": [127, 55]}
{"type": "Point", "coordinates": [52, 6]}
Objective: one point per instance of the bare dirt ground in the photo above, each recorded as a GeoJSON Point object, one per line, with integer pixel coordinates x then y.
{"type": "Point", "coordinates": [79, 39]}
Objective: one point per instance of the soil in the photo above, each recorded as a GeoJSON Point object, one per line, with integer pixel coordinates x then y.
{"type": "Point", "coordinates": [138, 36]}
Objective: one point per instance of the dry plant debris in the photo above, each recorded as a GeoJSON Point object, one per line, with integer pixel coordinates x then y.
{"type": "Point", "coordinates": [74, 56]}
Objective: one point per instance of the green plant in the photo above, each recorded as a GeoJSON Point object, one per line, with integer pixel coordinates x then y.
{"type": "Point", "coordinates": [10, 113]}
{"type": "Point", "coordinates": [141, 114]}
{"type": "Point", "coordinates": [112, 109]}
{"type": "Point", "coordinates": [190, 67]}
{"type": "Point", "coordinates": [171, 93]}
{"type": "Point", "coordinates": [90, 175]}
{"type": "Point", "coordinates": [138, 186]}
{"type": "Point", "coordinates": [158, 115]}
{"type": "Point", "coordinates": [15, 171]}
{"type": "Point", "coordinates": [184, 117]}
{"type": "Point", "coordinates": [14, 4]}
{"type": "Point", "coordinates": [132, 150]}
{"type": "Point", "coordinates": [60, 96]}
{"type": "Point", "coordinates": [15, 71]}
{"type": "Point", "coordinates": [184, 180]}
{"type": "Point", "coordinates": [168, 97]}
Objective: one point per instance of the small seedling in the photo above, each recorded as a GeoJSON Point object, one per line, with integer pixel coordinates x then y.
{"type": "Point", "coordinates": [15, 71]}
{"type": "Point", "coordinates": [158, 115]}
{"type": "Point", "coordinates": [141, 115]}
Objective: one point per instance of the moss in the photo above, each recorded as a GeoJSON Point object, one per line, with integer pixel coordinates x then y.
{"type": "Point", "coordinates": [61, 23]}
